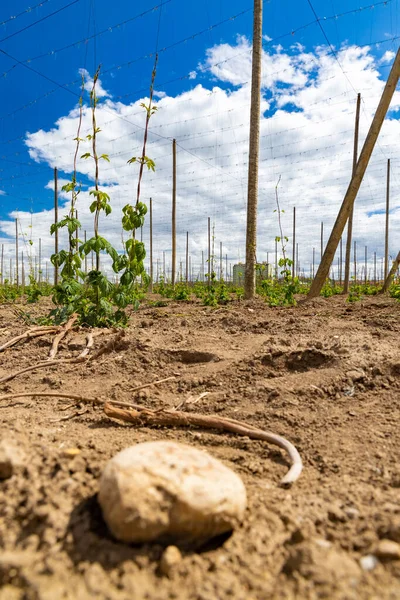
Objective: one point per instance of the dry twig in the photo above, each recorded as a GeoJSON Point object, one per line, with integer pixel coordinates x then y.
{"type": "Point", "coordinates": [145, 385]}
{"type": "Point", "coordinates": [67, 327]}
{"type": "Point", "coordinates": [31, 333]}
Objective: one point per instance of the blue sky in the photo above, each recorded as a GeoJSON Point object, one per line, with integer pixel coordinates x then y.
{"type": "Point", "coordinates": [33, 101]}
{"type": "Point", "coordinates": [133, 40]}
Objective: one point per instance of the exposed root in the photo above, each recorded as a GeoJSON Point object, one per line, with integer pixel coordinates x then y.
{"type": "Point", "coordinates": [31, 333]}
{"type": "Point", "coordinates": [141, 416]}
{"type": "Point", "coordinates": [138, 415]}
{"type": "Point", "coordinates": [109, 346]}
{"type": "Point", "coordinates": [66, 328]}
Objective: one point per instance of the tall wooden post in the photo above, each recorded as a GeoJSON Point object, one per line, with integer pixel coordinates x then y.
{"type": "Point", "coordinates": [22, 272]}
{"type": "Point", "coordinates": [322, 239]}
{"type": "Point", "coordinates": [151, 246]}
{"type": "Point", "coordinates": [387, 220]}
{"type": "Point", "coordinates": [55, 221]}
{"type": "Point", "coordinates": [357, 178]}
{"type": "Point", "coordinates": [85, 238]}
{"type": "Point", "coordinates": [163, 264]}
{"type": "Point", "coordinates": [254, 143]}
{"type": "Point", "coordinates": [313, 263]}
{"type": "Point", "coordinates": [187, 258]}
{"type": "Point", "coordinates": [16, 252]}
{"type": "Point", "coordinates": [355, 261]}
{"type": "Point", "coordinates": [173, 266]}
{"type": "Point", "coordinates": [351, 215]}
{"type": "Point", "coordinates": [220, 261]}
{"type": "Point", "coordinates": [40, 261]}
{"type": "Point", "coordinates": [391, 274]}
{"type": "Point", "coordinates": [209, 251]}
{"type": "Point", "coordinates": [365, 264]}
{"type": "Point", "coordinates": [294, 244]}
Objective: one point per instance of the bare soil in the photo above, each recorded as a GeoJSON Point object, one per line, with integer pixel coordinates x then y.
{"type": "Point", "coordinates": [325, 374]}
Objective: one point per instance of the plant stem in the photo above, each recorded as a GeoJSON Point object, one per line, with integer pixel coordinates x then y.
{"type": "Point", "coordinates": [93, 99]}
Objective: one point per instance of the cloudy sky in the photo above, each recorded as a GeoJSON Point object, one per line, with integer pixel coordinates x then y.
{"type": "Point", "coordinates": [312, 72]}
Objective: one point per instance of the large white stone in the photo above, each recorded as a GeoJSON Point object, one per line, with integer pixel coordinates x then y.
{"type": "Point", "coordinates": [167, 491]}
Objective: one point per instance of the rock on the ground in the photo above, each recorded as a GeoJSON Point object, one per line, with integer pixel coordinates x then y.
{"type": "Point", "coordinates": [170, 559]}
{"type": "Point", "coordinates": [388, 549]}
{"type": "Point", "coordinates": [165, 490]}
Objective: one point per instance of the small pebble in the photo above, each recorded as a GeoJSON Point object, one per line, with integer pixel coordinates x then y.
{"type": "Point", "coordinates": [169, 560]}
{"type": "Point", "coordinates": [388, 549]}
{"type": "Point", "coordinates": [368, 562]}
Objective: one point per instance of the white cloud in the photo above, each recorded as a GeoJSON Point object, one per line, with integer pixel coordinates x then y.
{"type": "Point", "coordinates": [306, 137]}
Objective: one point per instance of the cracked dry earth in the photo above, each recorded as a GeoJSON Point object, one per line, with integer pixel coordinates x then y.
{"type": "Point", "coordinates": [325, 374]}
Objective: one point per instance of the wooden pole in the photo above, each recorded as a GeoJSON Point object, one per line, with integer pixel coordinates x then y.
{"type": "Point", "coordinates": [40, 261]}
{"type": "Point", "coordinates": [173, 211]}
{"type": "Point", "coordinates": [313, 263]}
{"type": "Point", "coordinates": [357, 178]}
{"type": "Point", "coordinates": [55, 221]}
{"type": "Point", "coordinates": [16, 252]}
{"type": "Point", "coordinates": [209, 251]}
{"type": "Point", "coordinates": [389, 278]}
{"type": "Point", "coordinates": [163, 261]}
{"type": "Point", "coordinates": [365, 264]}
{"type": "Point", "coordinates": [151, 246]}
{"type": "Point", "coordinates": [387, 220]}
{"type": "Point", "coordinates": [294, 243]}
{"type": "Point", "coordinates": [187, 258]}
{"type": "Point", "coordinates": [22, 272]}
{"type": "Point", "coordinates": [351, 215]}
{"type": "Point", "coordinates": [322, 239]}
{"type": "Point", "coordinates": [220, 261]}
{"type": "Point", "coordinates": [254, 143]}
{"type": "Point", "coordinates": [85, 238]}
{"type": "Point", "coordinates": [355, 261]}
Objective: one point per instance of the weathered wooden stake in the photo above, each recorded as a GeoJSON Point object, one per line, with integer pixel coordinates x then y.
{"type": "Point", "coordinates": [55, 221]}
{"type": "Point", "coordinates": [387, 220]}
{"type": "Point", "coordinates": [173, 266]}
{"type": "Point", "coordinates": [151, 246]}
{"type": "Point", "coordinates": [356, 180]}
{"type": "Point", "coordinates": [187, 257]}
{"type": "Point", "coordinates": [351, 215]}
{"type": "Point", "coordinates": [16, 252]}
{"type": "Point", "coordinates": [294, 244]}
{"type": "Point", "coordinates": [254, 143]}
{"type": "Point", "coordinates": [389, 278]}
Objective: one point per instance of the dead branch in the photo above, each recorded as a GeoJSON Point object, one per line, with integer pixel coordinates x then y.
{"type": "Point", "coordinates": [57, 339]}
{"type": "Point", "coordinates": [109, 346]}
{"type": "Point", "coordinates": [43, 365]}
{"type": "Point", "coordinates": [52, 395]}
{"type": "Point", "coordinates": [31, 333]}
{"type": "Point", "coordinates": [145, 385]}
{"type": "Point", "coordinates": [138, 415]}
{"type": "Point", "coordinates": [89, 345]}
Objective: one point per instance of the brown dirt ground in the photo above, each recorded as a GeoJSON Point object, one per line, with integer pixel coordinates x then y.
{"type": "Point", "coordinates": [285, 370]}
